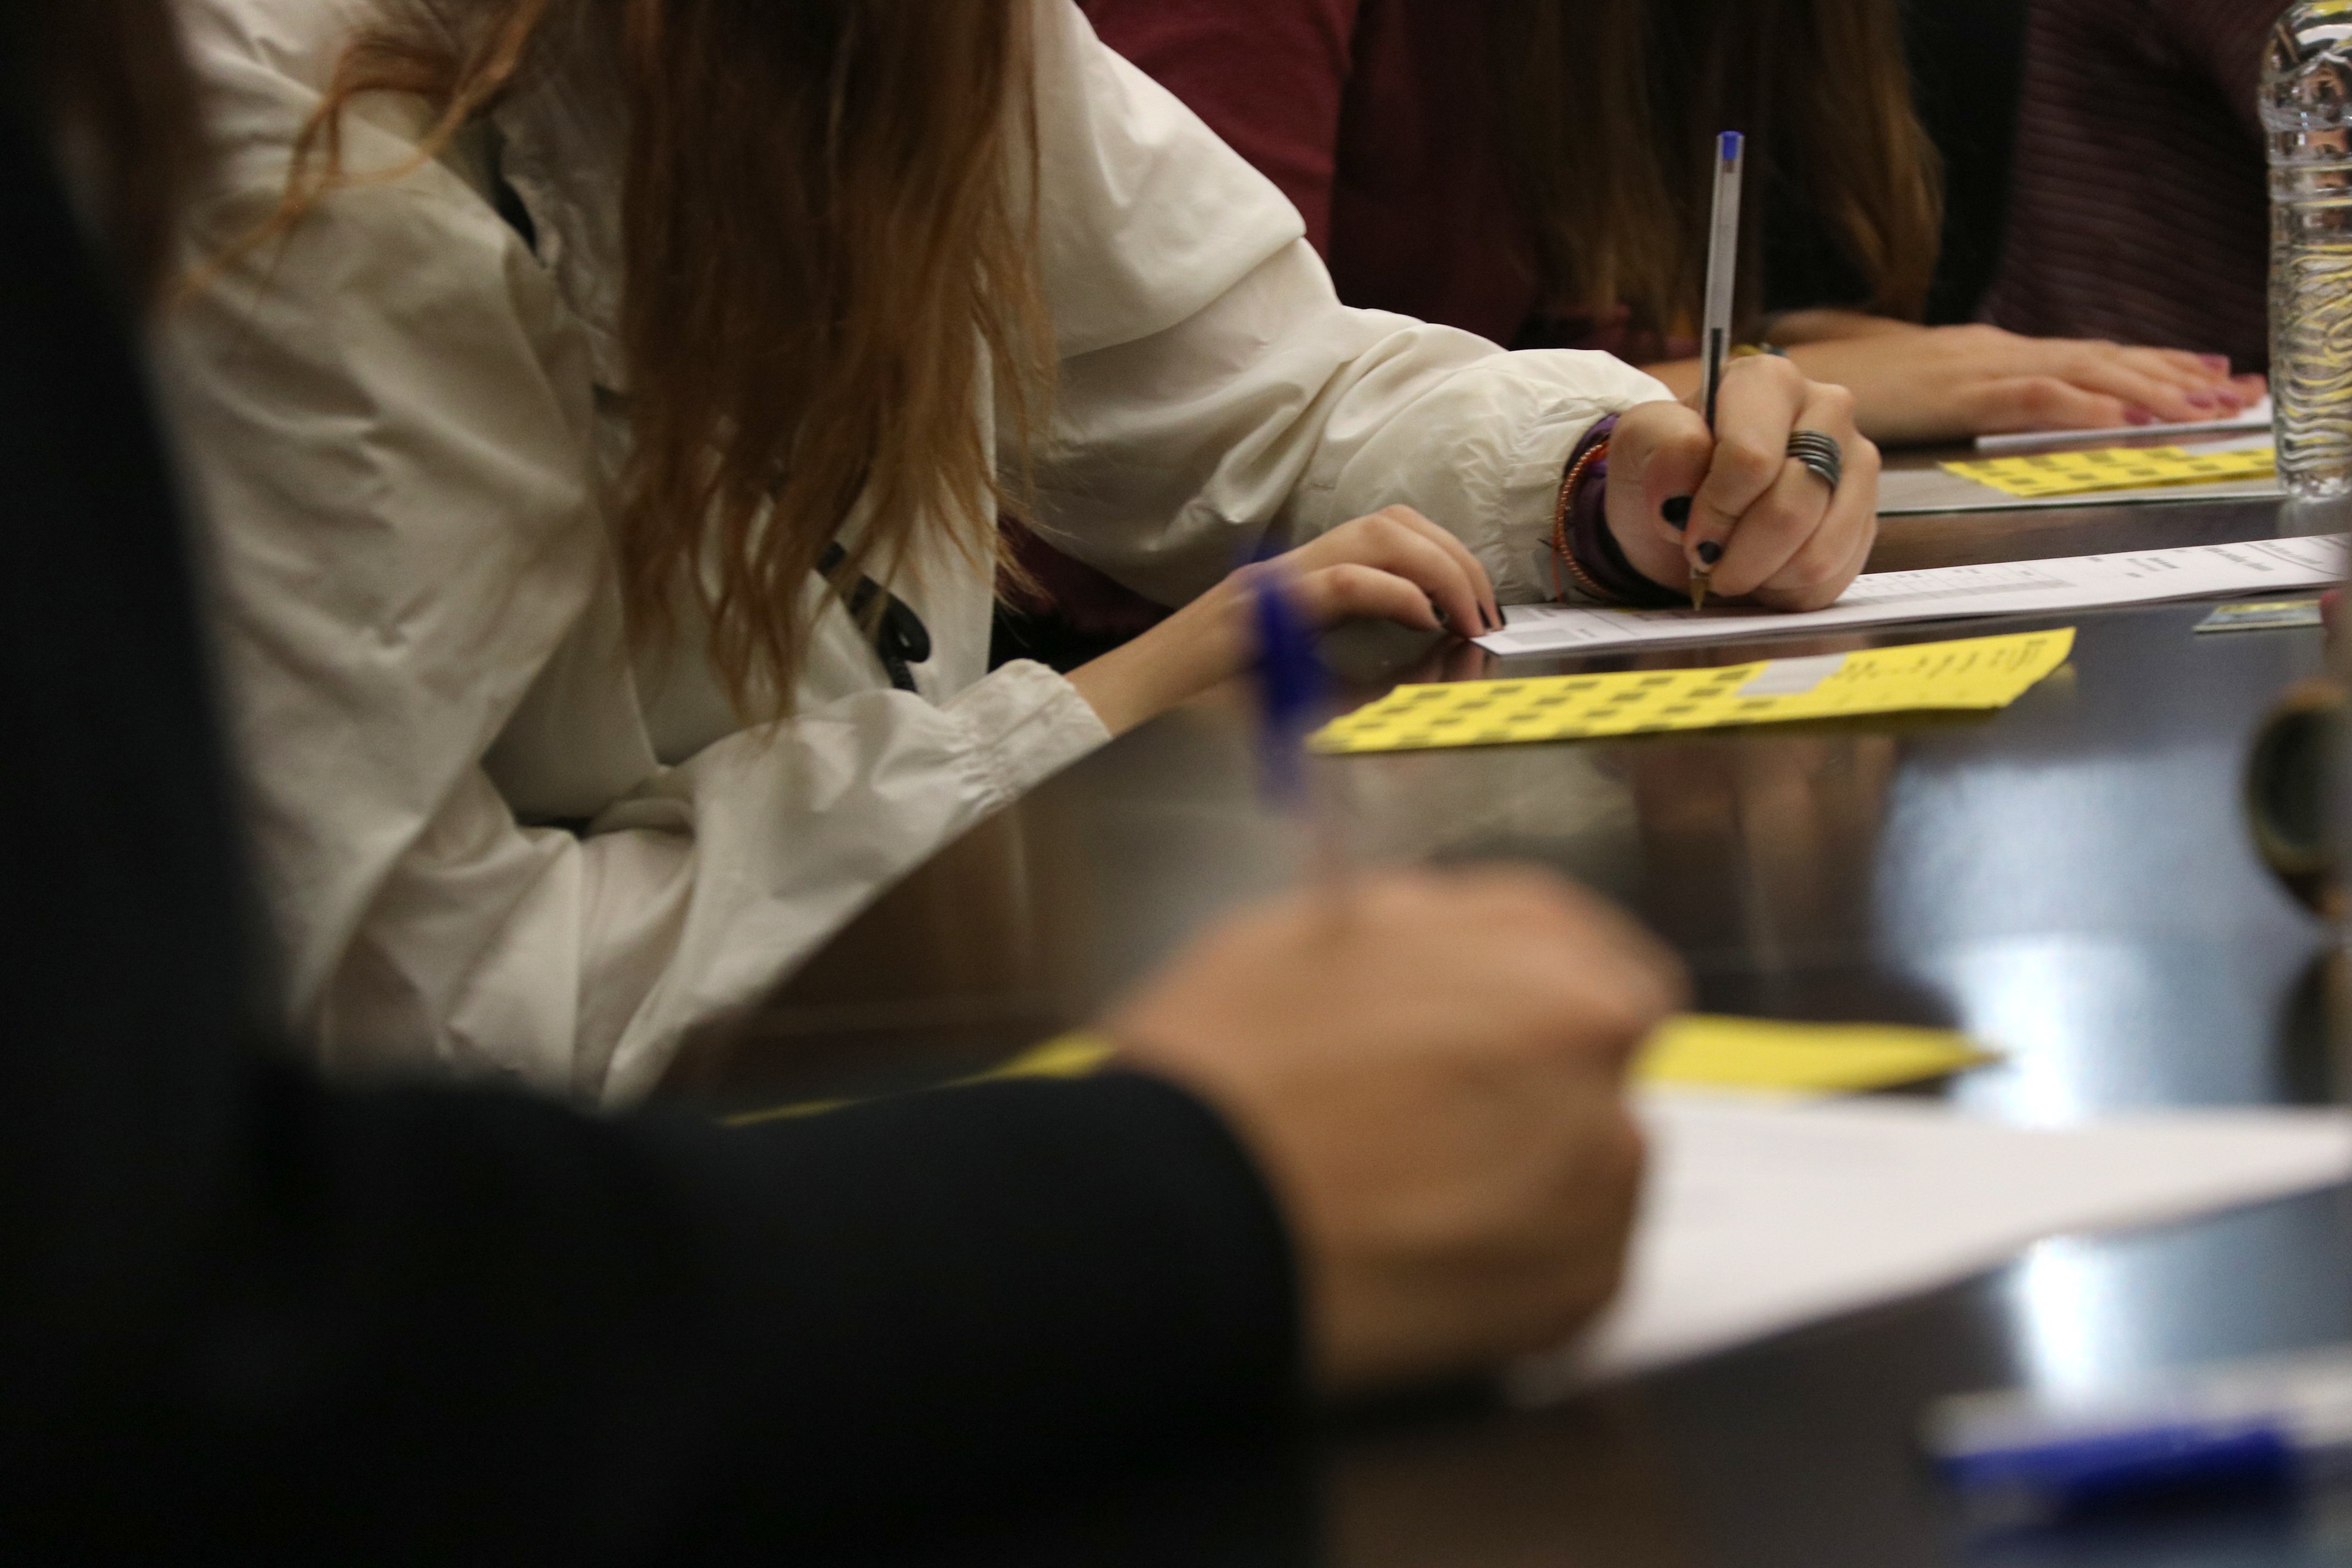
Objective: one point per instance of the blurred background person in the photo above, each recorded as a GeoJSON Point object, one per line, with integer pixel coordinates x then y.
{"type": "Point", "coordinates": [1535, 171]}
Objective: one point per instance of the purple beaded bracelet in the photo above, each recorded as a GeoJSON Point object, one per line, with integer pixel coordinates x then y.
{"type": "Point", "coordinates": [1587, 549]}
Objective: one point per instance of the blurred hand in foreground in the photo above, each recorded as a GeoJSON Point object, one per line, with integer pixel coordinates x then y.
{"type": "Point", "coordinates": [1432, 1077]}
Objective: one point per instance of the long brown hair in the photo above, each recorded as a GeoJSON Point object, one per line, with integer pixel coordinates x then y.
{"type": "Point", "coordinates": [830, 250]}
{"type": "Point", "coordinates": [110, 78]}
{"type": "Point", "coordinates": [1610, 111]}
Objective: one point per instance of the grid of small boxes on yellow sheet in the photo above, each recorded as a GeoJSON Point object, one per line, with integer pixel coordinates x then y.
{"type": "Point", "coordinates": [2051, 474]}
{"type": "Point", "coordinates": [1973, 673]}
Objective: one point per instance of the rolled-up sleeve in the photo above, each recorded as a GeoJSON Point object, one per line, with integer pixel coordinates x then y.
{"type": "Point", "coordinates": [1215, 394]}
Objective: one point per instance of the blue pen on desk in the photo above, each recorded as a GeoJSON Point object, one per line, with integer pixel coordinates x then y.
{"type": "Point", "coordinates": [2250, 1427]}
{"type": "Point", "coordinates": [1293, 692]}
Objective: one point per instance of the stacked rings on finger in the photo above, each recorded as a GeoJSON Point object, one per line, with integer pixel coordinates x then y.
{"type": "Point", "coordinates": [1822, 456]}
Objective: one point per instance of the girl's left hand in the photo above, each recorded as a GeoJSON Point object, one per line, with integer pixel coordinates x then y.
{"type": "Point", "coordinates": [1732, 499]}
{"type": "Point", "coordinates": [1394, 566]}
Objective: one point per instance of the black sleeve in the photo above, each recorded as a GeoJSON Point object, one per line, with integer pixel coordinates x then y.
{"type": "Point", "coordinates": [239, 1310]}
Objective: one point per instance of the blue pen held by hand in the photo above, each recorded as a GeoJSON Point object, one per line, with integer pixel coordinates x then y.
{"type": "Point", "coordinates": [1294, 689]}
{"type": "Point", "coordinates": [1291, 683]}
{"type": "Point", "coordinates": [2252, 1427]}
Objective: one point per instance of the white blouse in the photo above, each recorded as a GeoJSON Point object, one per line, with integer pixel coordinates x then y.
{"type": "Point", "coordinates": [402, 427]}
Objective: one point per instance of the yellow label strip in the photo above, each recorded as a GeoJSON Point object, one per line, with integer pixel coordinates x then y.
{"type": "Point", "coordinates": [1750, 1056]}
{"type": "Point", "coordinates": [1974, 673]}
{"type": "Point", "coordinates": [2114, 469]}
{"type": "Point", "coordinates": [1756, 1056]}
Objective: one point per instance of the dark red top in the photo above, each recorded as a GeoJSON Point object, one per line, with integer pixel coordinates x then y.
{"type": "Point", "coordinates": [1370, 114]}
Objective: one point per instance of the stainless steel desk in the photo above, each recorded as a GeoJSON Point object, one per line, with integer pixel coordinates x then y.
{"type": "Point", "coordinates": [2069, 877]}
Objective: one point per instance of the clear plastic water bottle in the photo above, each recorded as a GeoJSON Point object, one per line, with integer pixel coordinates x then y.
{"type": "Point", "coordinates": [2307, 111]}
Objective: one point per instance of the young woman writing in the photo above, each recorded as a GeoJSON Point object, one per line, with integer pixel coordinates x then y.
{"type": "Point", "coordinates": [1534, 171]}
{"type": "Point", "coordinates": [302, 1324]}
{"type": "Point", "coordinates": [577, 362]}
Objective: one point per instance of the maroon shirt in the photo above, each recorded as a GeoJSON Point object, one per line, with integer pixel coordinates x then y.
{"type": "Point", "coordinates": [1372, 116]}
{"type": "Point", "coordinates": [2139, 205]}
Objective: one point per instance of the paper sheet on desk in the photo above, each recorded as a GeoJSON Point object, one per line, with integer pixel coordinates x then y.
{"type": "Point", "coordinates": [1764, 1218]}
{"type": "Point", "coordinates": [2258, 417]}
{"type": "Point", "coordinates": [1950, 593]}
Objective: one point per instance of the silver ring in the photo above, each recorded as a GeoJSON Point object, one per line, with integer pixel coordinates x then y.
{"type": "Point", "coordinates": [1822, 456]}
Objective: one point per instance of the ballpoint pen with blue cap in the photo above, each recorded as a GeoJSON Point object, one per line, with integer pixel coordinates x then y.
{"type": "Point", "coordinates": [1722, 299]}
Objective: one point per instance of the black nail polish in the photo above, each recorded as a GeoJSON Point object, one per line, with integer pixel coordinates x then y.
{"type": "Point", "coordinates": [1711, 552]}
{"type": "Point", "coordinates": [1493, 623]}
{"type": "Point", "coordinates": [1677, 511]}
{"type": "Point", "coordinates": [1439, 611]}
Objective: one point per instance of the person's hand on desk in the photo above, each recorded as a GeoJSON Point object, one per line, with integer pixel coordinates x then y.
{"type": "Point", "coordinates": [1915, 385]}
{"type": "Point", "coordinates": [1393, 565]}
{"type": "Point", "coordinates": [1780, 538]}
{"type": "Point", "coordinates": [1432, 1078]}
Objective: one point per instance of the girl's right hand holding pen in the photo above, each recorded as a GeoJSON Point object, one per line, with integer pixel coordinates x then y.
{"type": "Point", "coordinates": [1733, 503]}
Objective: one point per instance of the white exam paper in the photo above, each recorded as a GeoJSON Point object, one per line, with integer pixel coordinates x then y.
{"type": "Point", "coordinates": [1763, 1218]}
{"type": "Point", "coordinates": [2258, 417]}
{"type": "Point", "coordinates": [1950, 593]}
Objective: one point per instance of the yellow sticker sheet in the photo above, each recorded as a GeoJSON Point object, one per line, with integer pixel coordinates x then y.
{"type": "Point", "coordinates": [1696, 1051]}
{"type": "Point", "coordinates": [1750, 1056]}
{"type": "Point", "coordinates": [2114, 469]}
{"type": "Point", "coordinates": [1974, 673]}
{"type": "Point", "coordinates": [1753, 1056]}
{"type": "Point", "coordinates": [1073, 1056]}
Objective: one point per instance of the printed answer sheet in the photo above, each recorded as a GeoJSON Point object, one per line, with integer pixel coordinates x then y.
{"type": "Point", "coordinates": [1950, 593]}
{"type": "Point", "coordinates": [1764, 1218]}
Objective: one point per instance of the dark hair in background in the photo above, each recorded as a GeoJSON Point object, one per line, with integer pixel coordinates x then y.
{"type": "Point", "coordinates": [109, 77]}
{"type": "Point", "coordinates": [1609, 112]}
